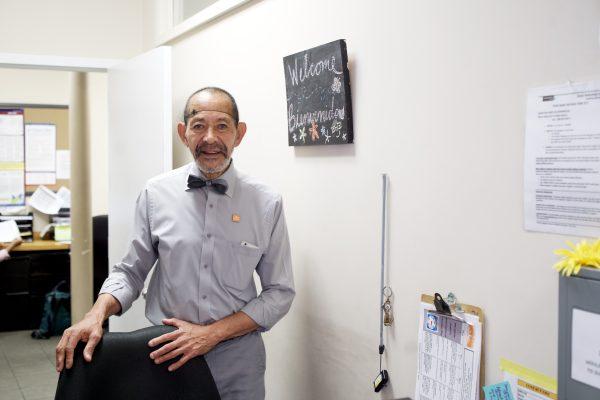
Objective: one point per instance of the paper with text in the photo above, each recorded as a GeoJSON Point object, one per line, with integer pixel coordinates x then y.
{"type": "Point", "coordinates": [63, 164]}
{"type": "Point", "coordinates": [562, 159]}
{"type": "Point", "coordinates": [11, 123]}
{"type": "Point", "coordinates": [40, 147]}
{"type": "Point", "coordinates": [499, 391]}
{"type": "Point", "coordinates": [449, 356]}
{"type": "Point", "coordinates": [528, 384]}
{"type": "Point", "coordinates": [12, 189]}
{"type": "Point", "coordinates": [585, 348]}
{"type": "Point", "coordinates": [45, 201]}
{"type": "Point", "coordinates": [9, 231]}
{"type": "Point", "coordinates": [40, 178]}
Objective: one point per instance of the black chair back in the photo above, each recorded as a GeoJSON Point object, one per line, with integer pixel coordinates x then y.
{"type": "Point", "coordinates": [100, 235]}
{"type": "Point", "coordinates": [121, 368]}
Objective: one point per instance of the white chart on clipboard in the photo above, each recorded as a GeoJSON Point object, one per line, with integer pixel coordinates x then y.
{"type": "Point", "coordinates": [449, 356]}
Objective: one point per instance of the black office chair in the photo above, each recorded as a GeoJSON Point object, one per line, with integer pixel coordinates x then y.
{"type": "Point", "coordinates": [121, 368]}
{"type": "Point", "coordinates": [100, 235]}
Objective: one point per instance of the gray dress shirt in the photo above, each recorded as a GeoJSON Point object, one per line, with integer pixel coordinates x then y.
{"type": "Point", "coordinates": [206, 247]}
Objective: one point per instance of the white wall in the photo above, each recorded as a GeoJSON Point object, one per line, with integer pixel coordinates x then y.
{"type": "Point", "coordinates": [52, 88]}
{"type": "Point", "coordinates": [98, 124]}
{"type": "Point", "coordinates": [439, 94]}
{"type": "Point", "coordinates": [157, 21]}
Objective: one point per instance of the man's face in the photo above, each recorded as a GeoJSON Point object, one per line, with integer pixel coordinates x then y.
{"type": "Point", "coordinates": [211, 133]}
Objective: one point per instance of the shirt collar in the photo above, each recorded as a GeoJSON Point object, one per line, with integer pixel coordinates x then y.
{"type": "Point", "coordinates": [230, 176]}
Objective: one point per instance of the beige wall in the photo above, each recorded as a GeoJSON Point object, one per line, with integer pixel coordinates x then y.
{"type": "Point", "coordinates": [85, 28]}
{"type": "Point", "coordinates": [34, 86]}
{"type": "Point", "coordinates": [439, 93]}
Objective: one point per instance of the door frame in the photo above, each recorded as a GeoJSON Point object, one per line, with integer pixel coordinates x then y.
{"type": "Point", "coordinates": [58, 63]}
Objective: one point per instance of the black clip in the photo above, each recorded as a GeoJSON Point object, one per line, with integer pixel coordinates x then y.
{"type": "Point", "coordinates": [440, 305]}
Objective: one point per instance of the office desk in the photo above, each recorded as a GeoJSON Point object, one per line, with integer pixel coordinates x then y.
{"type": "Point", "coordinates": [41, 245]}
{"type": "Point", "coordinates": [32, 271]}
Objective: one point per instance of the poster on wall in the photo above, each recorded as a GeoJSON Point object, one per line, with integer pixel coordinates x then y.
{"type": "Point", "coordinates": [319, 105]}
{"type": "Point", "coordinates": [562, 159]}
{"type": "Point", "coordinates": [12, 157]}
{"type": "Point", "coordinates": [40, 147]}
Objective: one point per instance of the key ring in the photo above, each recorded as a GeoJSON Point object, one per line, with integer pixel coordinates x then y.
{"type": "Point", "coordinates": [387, 292]}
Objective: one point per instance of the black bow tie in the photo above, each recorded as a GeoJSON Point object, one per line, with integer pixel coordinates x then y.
{"type": "Point", "coordinates": [220, 185]}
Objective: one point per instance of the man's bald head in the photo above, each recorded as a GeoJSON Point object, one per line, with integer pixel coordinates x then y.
{"type": "Point", "coordinates": [189, 111]}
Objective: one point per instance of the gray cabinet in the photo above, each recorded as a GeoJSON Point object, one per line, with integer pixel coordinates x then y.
{"type": "Point", "coordinates": [580, 292]}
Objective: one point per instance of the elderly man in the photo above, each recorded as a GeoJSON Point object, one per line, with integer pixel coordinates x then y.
{"type": "Point", "coordinates": [208, 227]}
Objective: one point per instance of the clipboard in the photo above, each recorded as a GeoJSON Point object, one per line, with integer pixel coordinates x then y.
{"type": "Point", "coordinates": [473, 310]}
{"type": "Point", "coordinates": [425, 298]}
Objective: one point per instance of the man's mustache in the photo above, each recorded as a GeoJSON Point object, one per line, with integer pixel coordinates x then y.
{"type": "Point", "coordinates": [219, 147]}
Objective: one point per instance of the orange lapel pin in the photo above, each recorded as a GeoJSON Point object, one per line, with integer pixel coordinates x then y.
{"type": "Point", "coordinates": [235, 218]}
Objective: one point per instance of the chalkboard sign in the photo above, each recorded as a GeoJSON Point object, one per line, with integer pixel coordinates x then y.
{"type": "Point", "coordinates": [319, 105]}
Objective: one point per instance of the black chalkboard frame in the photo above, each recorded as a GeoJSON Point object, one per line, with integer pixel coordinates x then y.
{"type": "Point", "coordinates": [327, 135]}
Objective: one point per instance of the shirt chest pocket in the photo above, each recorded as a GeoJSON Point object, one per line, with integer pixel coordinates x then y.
{"type": "Point", "coordinates": [238, 262]}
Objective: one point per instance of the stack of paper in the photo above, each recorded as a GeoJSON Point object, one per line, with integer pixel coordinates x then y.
{"type": "Point", "coordinates": [24, 224]}
{"type": "Point", "coordinates": [449, 356]}
{"type": "Point", "coordinates": [9, 231]}
{"type": "Point", "coordinates": [48, 202]}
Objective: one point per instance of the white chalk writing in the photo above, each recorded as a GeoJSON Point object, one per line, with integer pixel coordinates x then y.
{"type": "Point", "coordinates": [303, 134]}
{"type": "Point", "coordinates": [299, 74]}
{"type": "Point", "coordinates": [336, 86]}
{"type": "Point", "coordinates": [301, 119]}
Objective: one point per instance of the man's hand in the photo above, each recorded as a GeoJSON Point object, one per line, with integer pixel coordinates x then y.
{"type": "Point", "coordinates": [189, 341]}
{"type": "Point", "coordinates": [89, 330]}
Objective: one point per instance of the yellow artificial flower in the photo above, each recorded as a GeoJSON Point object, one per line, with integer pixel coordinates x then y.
{"type": "Point", "coordinates": [583, 254]}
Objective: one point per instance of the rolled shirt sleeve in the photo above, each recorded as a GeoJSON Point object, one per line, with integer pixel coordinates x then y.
{"type": "Point", "coordinates": [276, 277]}
{"type": "Point", "coordinates": [126, 279]}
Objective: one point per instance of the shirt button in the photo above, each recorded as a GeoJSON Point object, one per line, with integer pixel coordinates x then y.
{"type": "Point", "coordinates": [204, 297]}
{"type": "Point", "coordinates": [210, 205]}
{"type": "Point", "coordinates": [205, 265]}
{"type": "Point", "coordinates": [208, 235]}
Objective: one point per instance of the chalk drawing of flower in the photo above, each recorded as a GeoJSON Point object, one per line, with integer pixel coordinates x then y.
{"type": "Point", "coordinates": [314, 131]}
{"type": "Point", "coordinates": [324, 133]}
{"type": "Point", "coordinates": [336, 86]}
{"type": "Point", "coordinates": [303, 134]}
{"type": "Point", "coordinates": [336, 126]}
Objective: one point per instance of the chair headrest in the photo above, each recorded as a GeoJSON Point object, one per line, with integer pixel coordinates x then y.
{"type": "Point", "coordinates": [121, 368]}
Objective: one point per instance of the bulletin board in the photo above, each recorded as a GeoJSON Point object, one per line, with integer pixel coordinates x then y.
{"type": "Point", "coordinates": [57, 115]}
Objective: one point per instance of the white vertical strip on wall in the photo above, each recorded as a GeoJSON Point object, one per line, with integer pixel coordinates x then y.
{"type": "Point", "coordinates": [139, 147]}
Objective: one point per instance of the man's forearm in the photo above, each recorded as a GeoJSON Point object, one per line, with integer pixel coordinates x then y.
{"type": "Point", "coordinates": [235, 325]}
{"type": "Point", "coordinates": [105, 306]}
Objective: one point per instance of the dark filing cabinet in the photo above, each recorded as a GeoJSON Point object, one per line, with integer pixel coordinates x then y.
{"type": "Point", "coordinates": [578, 344]}
{"type": "Point", "coordinates": [24, 281]}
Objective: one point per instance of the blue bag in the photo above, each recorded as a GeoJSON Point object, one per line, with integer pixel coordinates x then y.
{"type": "Point", "coordinates": [56, 316]}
